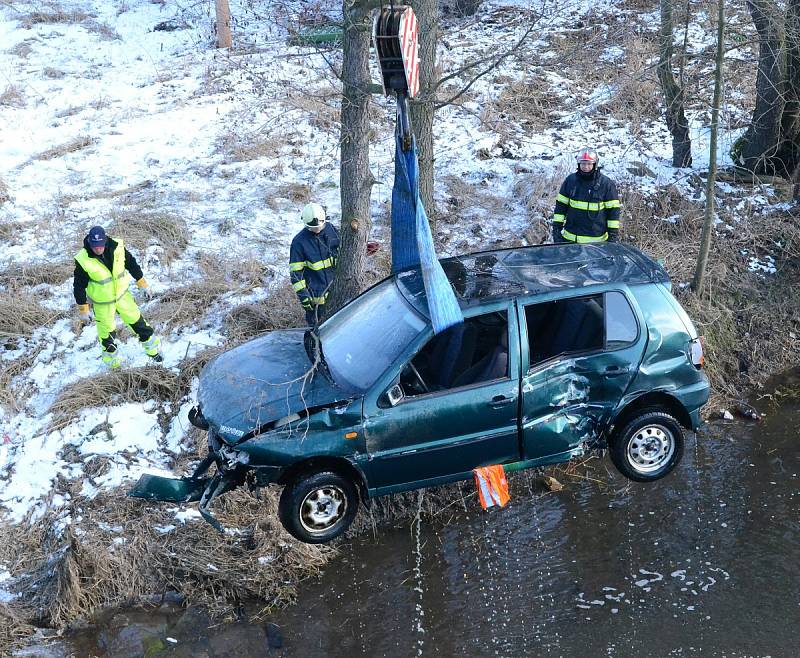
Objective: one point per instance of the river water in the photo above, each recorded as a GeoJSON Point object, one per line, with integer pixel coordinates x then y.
{"type": "Point", "coordinates": [703, 563]}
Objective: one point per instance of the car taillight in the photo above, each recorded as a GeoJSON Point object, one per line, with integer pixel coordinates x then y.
{"type": "Point", "coordinates": [696, 352]}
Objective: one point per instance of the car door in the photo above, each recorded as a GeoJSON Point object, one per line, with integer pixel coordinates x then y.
{"type": "Point", "coordinates": [581, 354]}
{"type": "Point", "coordinates": [433, 437]}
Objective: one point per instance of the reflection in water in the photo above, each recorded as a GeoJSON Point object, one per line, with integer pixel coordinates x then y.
{"type": "Point", "coordinates": [704, 563]}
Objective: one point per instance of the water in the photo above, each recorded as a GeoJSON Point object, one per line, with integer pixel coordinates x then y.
{"type": "Point", "coordinates": [704, 563]}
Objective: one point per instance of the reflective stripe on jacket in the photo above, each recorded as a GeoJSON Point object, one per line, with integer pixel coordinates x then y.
{"type": "Point", "coordinates": [104, 286]}
{"type": "Point", "coordinates": [312, 264]}
{"type": "Point", "coordinates": [587, 209]}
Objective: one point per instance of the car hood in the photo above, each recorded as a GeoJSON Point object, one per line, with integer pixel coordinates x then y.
{"type": "Point", "coordinates": [262, 381]}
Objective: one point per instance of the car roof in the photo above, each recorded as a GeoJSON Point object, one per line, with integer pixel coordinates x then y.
{"type": "Point", "coordinates": [486, 276]}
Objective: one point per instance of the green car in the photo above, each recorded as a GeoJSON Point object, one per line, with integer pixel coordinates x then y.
{"type": "Point", "coordinates": [563, 349]}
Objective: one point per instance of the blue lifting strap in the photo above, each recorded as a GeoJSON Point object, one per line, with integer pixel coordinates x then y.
{"type": "Point", "coordinates": [412, 242]}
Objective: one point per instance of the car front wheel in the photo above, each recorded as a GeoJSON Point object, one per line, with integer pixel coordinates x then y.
{"type": "Point", "coordinates": [648, 447]}
{"type": "Point", "coordinates": [317, 507]}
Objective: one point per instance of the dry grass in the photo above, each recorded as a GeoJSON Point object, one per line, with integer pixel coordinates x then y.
{"type": "Point", "coordinates": [52, 73]}
{"type": "Point", "coordinates": [5, 196]}
{"type": "Point", "coordinates": [70, 111]}
{"type": "Point", "coordinates": [280, 310]}
{"type": "Point", "coordinates": [537, 191]}
{"type": "Point", "coordinates": [296, 192]}
{"type": "Point", "coordinates": [77, 575]}
{"type": "Point", "coordinates": [104, 30]}
{"type": "Point", "coordinates": [53, 14]}
{"type": "Point", "coordinates": [116, 387]}
{"type": "Point", "coordinates": [246, 147]}
{"type": "Point", "coordinates": [465, 208]}
{"type": "Point", "coordinates": [190, 368]}
{"type": "Point", "coordinates": [11, 231]}
{"type": "Point", "coordinates": [320, 107]}
{"type": "Point", "coordinates": [637, 94]}
{"type": "Point", "coordinates": [180, 307]}
{"type": "Point", "coordinates": [14, 629]}
{"type": "Point", "coordinates": [746, 318]}
{"type": "Point", "coordinates": [20, 316]}
{"type": "Point", "coordinates": [76, 144]}
{"type": "Point", "coordinates": [141, 228]}
{"type": "Point", "coordinates": [13, 395]}
{"type": "Point", "coordinates": [125, 191]}
{"type": "Point", "coordinates": [30, 275]}
{"type": "Point", "coordinates": [12, 96]}
{"type": "Point", "coordinates": [23, 49]}
{"type": "Point", "coordinates": [526, 103]}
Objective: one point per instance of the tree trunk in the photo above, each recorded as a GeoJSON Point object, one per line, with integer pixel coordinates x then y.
{"type": "Point", "coordinates": [708, 219]}
{"type": "Point", "coordinates": [422, 108]}
{"type": "Point", "coordinates": [790, 123]}
{"type": "Point", "coordinates": [673, 93]}
{"type": "Point", "coordinates": [762, 138]}
{"type": "Point", "coordinates": [224, 38]}
{"type": "Point", "coordinates": [356, 179]}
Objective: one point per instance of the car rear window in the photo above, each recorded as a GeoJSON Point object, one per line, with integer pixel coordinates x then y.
{"type": "Point", "coordinates": [621, 326]}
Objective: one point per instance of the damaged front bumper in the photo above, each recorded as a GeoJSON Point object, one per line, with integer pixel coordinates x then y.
{"type": "Point", "coordinates": [232, 471]}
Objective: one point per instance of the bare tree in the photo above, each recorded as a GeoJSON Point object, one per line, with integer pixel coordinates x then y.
{"type": "Point", "coordinates": [708, 219]}
{"type": "Point", "coordinates": [771, 144]}
{"type": "Point", "coordinates": [356, 178]}
{"type": "Point", "coordinates": [355, 175]}
{"type": "Point", "coordinates": [673, 92]}
{"type": "Point", "coordinates": [422, 108]}
{"type": "Point", "coordinates": [224, 38]}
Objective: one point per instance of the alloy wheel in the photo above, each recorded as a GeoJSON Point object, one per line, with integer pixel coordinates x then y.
{"type": "Point", "coordinates": [322, 509]}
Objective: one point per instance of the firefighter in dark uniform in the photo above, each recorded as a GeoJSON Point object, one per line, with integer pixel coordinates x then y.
{"type": "Point", "coordinates": [587, 206]}
{"type": "Point", "coordinates": [312, 260]}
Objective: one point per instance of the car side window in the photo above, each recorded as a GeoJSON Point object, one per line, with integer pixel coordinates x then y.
{"type": "Point", "coordinates": [564, 326]}
{"type": "Point", "coordinates": [468, 353]}
{"type": "Point", "coordinates": [621, 326]}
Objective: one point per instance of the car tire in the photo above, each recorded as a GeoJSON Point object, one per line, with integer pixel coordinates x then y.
{"type": "Point", "coordinates": [648, 447]}
{"type": "Point", "coordinates": [317, 507]}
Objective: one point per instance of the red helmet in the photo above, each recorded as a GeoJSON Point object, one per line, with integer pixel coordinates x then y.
{"type": "Point", "coordinates": [587, 154]}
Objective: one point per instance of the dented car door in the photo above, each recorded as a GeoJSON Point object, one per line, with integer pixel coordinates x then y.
{"type": "Point", "coordinates": [580, 355]}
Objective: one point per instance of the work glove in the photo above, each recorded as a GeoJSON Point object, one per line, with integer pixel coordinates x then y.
{"type": "Point", "coordinates": [84, 318]}
{"type": "Point", "coordinates": [142, 285]}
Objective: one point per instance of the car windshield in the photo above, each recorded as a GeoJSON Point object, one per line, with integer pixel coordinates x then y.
{"type": "Point", "coordinates": [364, 338]}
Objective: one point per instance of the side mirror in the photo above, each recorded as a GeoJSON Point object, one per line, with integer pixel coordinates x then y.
{"type": "Point", "coordinates": [394, 394]}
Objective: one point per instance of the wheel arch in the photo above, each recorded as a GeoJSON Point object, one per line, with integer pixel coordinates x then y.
{"type": "Point", "coordinates": [338, 465]}
{"type": "Point", "coordinates": [653, 401]}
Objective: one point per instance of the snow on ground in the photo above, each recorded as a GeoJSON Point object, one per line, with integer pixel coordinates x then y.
{"type": "Point", "coordinates": [103, 108]}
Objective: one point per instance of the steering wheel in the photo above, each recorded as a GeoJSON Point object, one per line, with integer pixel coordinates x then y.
{"type": "Point", "coordinates": [421, 381]}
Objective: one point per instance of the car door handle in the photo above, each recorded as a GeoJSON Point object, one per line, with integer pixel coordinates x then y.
{"type": "Point", "coordinates": [615, 371]}
{"type": "Point", "coordinates": [500, 401]}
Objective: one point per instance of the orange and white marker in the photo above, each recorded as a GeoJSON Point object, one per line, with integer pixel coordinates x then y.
{"type": "Point", "coordinates": [492, 486]}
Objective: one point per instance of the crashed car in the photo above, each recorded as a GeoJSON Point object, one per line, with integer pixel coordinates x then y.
{"type": "Point", "coordinates": [563, 349]}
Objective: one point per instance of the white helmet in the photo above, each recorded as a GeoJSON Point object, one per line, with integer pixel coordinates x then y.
{"type": "Point", "coordinates": [313, 215]}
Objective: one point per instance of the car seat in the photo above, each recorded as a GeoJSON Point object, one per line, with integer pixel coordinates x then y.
{"type": "Point", "coordinates": [452, 353]}
{"type": "Point", "coordinates": [493, 365]}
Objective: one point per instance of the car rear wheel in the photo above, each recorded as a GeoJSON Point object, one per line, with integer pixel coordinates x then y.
{"type": "Point", "coordinates": [648, 447]}
{"type": "Point", "coordinates": [317, 507]}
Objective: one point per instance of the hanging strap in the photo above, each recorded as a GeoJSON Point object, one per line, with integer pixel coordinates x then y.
{"type": "Point", "coordinates": [412, 242]}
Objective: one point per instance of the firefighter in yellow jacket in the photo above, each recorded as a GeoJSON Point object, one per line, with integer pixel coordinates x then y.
{"type": "Point", "coordinates": [101, 279]}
